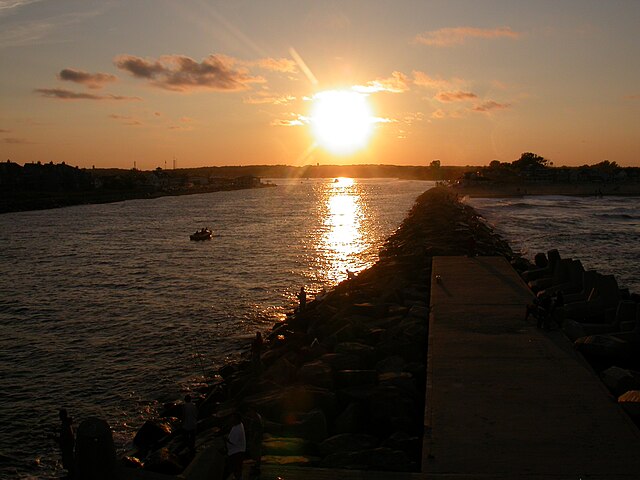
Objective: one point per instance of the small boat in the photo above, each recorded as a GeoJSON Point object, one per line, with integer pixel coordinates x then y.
{"type": "Point", "coordinates": [204, 234]}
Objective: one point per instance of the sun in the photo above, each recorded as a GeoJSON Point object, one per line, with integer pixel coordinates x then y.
{"type": "Point", "coordinates": [341, 120]}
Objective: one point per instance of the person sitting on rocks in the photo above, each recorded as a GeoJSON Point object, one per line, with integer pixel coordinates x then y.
{"type": "Point", "coordinates": [256, 353]}
{"type": "Point", "coordinates": [66, 440]}
{"type": "Point", "coordinates": [302, 298]}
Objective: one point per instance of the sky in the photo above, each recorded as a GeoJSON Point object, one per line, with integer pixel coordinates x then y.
{"type": "Point", "coordinates": [115, 83]}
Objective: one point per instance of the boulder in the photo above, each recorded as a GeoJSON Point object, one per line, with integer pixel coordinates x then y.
{"type": "Point", "coordinates": [95, 451]}
{"type": "Point", "coordinates": [607, 348]}
{"type": "Point", "coordinates": [342, 361]}
{"type": "Point", "coordinates": [298, 398]}
{"type": "Point", "coordinates": [383, 459]}
{"type": "Point", "coordinates": [620, 380]}
{"type": "Point", "coordinates": [316, 373]}
{"type": "Point", "coordinates": [365, 353]}
{"type": "Point", "coordinates": [151, 433]}
{"type": "Point", "coordinates": [355, 378]}
{"type": "Point", "coordinates": [630, 402]}
{"type": "Point", "coordinates": [370, 309]}
{"type": "Point", "coordinates": [282, 372]}
{"type": "Point", "coordinates": [351, 419]}
{"type": "Point", "coordinates": [285, 446]}
{"type": "Point", "coordinates": [347, 442]}
{"type": "Point", "coordinates": [163, 461]}
{"type": "Point", "coordinates": [289, 460]}
{"type": "Point", "coordinates": [393, 363]}
{"type": "Point", "coordinates": [311, 426]}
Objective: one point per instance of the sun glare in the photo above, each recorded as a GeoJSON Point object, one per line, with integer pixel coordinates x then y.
{"type": "Point", "coordinates": [341, 120]}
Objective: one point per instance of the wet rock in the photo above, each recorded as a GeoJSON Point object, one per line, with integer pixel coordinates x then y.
{"type": "Point", "coordinates": [393, 363]}
{"type": "Point", "coordinates": [370, 309]}
{"type": "Point", "coordinates": [151, 433]}
{"type": "Point", "coordinates": [290, 460]}
{"type": "Point", "coordinates": [95, 451]}
{"type": "Point", "coordinates": [129, 461]}
{"type": "Point", "coordinates": [299, 398]}
{"type": "Point", "coordinates": [163, 461]}
{"type": "Point", "coordinates": [620, 380]}
{"type": "Point", "coordinates": [607, 348]}
{"type": "Point", "coordinates": [282, 372]}
{"type": "Point", "coordinates": [311, 426]}
{"type": "Point", "coordinates": [411, 445]}
{"type": "Point", "coordinates": [630, 402]}
{"type": "Point", "coordinates": [366, 353]}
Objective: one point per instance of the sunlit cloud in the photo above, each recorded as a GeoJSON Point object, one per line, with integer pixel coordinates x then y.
{"type": "Point", "coordinates": [285, 65]}
{"type": "Point", "coordinates": [397, 83]}
{"type": "Point", "coordinates": [446, 97]}
{"type": "Point", "coordinates": [2, 130]}
{"type": "Point", "coordinates": [490, 106]}
{"type": "Point", "coordinates": [7, 6]}
{"type": "Point", "coordinates": [424, 80]}
{"type": "Point", "coordinates": [439, 114]}
{"type": "Point", "coordinates": [63, 94]}
{"type": "Point", "coordinates": [183, 74]}
{"type": "Point", "coordinates": [296, 120]}
{"type": "Point", "coordinates": [265, 97]}
{"type": "Point", "coordinates": [446, 37]}
{"type": "Point", "coordinates": [126, 119]}
{"type": "Point", "coordinates": [632, 97]}
{"type": "Point", "coordinates": [91, 80]}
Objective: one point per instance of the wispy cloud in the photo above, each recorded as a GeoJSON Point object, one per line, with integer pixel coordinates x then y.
{"type": "Point", "coordinates": [126, 119]}
{"type": "Point", "coordinates": [8, 6]}
{"type": "Point", "coordinates": [34, 32]}
{"type": "Point", "coordinates": [91, 80]}
{"type": "Point", "coordinates": [285, 65]}
{"type": "Point", "coordinates": [632, 97]}
{"type": "Point", "coordinates": [447, 37]}
{"type": "Point", "coordinates": [455, 96]}
{"type": "Point", "coordinates": [2, 130]}
{"type": "Point", "coordinates": [265, 97]}
{"type": "Point", "coordinates": [489, 106]}
{"type": "Point", "coordinates": [17, 141]}
{"type": "Point", "coordinates": [296, 120]}
{"type": "Point", "coordinates": [183, 74]}
{"type": "Point", "coordinates": [63, 94]}
{"type": "Point", "coordinates": [397, 83]}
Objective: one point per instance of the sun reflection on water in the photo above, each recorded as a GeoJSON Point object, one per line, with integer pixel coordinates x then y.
{"type": "Point", "coordinates": [344, 235]}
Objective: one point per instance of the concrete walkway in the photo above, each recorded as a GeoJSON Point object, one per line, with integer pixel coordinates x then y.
{"type": "Point", "coordinates": [506, 400]}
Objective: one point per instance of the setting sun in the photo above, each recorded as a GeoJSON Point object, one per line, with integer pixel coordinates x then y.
{"type": "Point", "coordinates": [341, 120]}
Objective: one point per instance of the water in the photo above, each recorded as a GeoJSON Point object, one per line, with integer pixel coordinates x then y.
{"type": "Point", "coordinates": [110, 310]}
{"type": "Point", "coordinates": [603, 233]}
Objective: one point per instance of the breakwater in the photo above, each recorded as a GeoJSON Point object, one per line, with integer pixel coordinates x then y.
{"type": "Point", "coordinates": [341, 383]}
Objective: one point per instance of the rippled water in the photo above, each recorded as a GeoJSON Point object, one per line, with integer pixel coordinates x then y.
{"type": "Point", "coordinates": [603, 233]}
{"type": "Point", "coordinates": [110, 309]}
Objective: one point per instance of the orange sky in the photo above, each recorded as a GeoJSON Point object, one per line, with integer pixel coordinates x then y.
{"type": "Point", "coordinates": [110, 83]}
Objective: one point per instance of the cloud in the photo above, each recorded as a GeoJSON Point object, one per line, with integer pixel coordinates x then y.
{"type": "Point", "coordinates": [276, 64]}
{"type": "Point", "coordinates": [126, 119]}
{"type": "Point", "coordinates": [3, 130]}
{"type": "Point", "coordinates": [445, 97]}
{"type": "Point", "coordinates": [397, 83]}
{"type": "Point", "coordinates": [490, 105]}
{"type": "Point", "coordinates": [63, 94]}
{"type": "Point", "coordinates": [91, 80]}
{"type": "Point", "coordinates": [296, 121]}
{"type": "Point", "coordinates": [266, 97]}
{"type": "Point", "coordinates": [6, 6]}
{"type": "Point", "coordinates": [16, 141]}
{"type": "Point", "coordinates": [422, 79]}
{"type": "Point", "coordinates": [632, 97]}
{"type": "Point", "coordinates": [446, 37]}
{"type": "Point", "coordinates": [181, 73]}
{"type": "Point", "coordinates": [438, 114]}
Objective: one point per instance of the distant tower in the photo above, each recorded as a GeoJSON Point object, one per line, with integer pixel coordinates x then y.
{"type": "Point", "coordinates": [134, 165]}
{"type": "Point", "coordinates": [174, 162]}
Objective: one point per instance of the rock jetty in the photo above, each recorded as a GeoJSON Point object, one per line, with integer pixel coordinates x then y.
{"type": "Point", "coordinates": [341, 383]}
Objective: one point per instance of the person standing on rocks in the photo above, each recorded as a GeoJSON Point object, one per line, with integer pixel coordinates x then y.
{"type": "Point", "coordinates": [190, 423]}
{"type": "Point", "coordinates": [302, 297]}
{"type": "Point", "coordinates": [256, 353]}
{"type": "Point", "coordinates": [66, 440]}
{"type": "Point", "coordinates": [254, 432]}
{"type": "Point", "coordinates": [236, 448]}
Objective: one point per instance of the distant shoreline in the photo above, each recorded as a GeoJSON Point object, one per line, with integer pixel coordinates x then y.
{"type": "Point", "coordinates": [566, 189]}
{"type": "Point", "coordinates": [30, 201]}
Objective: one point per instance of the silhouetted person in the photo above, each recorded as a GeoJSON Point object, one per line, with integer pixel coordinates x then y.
{"type": "Point", "coordinates": [302, 297]}
{"type": "Point", "coordinates": [190, 423]}
{"type": "Point", "coordinates": [254, 432]}
{"type": "Point", "coordinates": [236, 448]}
{"type": "Point", "coordinates": [66, 440]}
{"type": "Point", "coordinates": [256, 352]}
